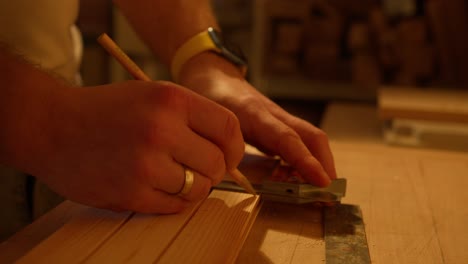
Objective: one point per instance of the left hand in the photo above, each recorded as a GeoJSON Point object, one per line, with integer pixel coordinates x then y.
{"type": "Point", "coordinates": [264, 124]}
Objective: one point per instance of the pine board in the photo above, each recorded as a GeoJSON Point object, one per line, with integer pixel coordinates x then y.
{"type": "Point", "coordinates": [26, 239]}
{"type": "Point", "coordinates": [446, 182]}
{"type": "Point", "coordinates": [78, 238]}
{"type": "Point", "coordinates": [413, 201]}
{"type": "Point", "coordinates": [424, 104]}
{"type": "Point", "coordinates": [150, 235]}
{"type": "Point", "coordinates": [285, 233]}
{"type": "Point", "coordinates": [214, 234]}
{"type": "Point", "coordinates": [211, 231]}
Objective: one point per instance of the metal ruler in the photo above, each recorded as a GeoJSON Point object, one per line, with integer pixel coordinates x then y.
{"type": "Point", "coordinates": [345, 235]}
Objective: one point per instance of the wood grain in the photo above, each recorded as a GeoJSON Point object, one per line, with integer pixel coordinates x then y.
{"type": "Point", "coordinates": [78, 238]}
{"type": "Point", "coordinates": [413, 203]}
{"type": "Point", "coordinates": [285, 233]}
{"type": "Point", "coordinates": [150, 235]}
{"type": "Point", "coordinates": [214, 233]}
{"type": "Point", "coordinates": [25, 240]}
{"type": "Point", "coordinates": [446, 181]}
{"type": "Point", "coordinates": [403, 200]}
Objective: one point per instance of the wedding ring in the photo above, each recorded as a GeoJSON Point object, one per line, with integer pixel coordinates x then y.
{"type": "Point", "coordinates": [188, 183]}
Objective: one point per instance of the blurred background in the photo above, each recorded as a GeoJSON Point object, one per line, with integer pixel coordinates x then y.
{"type": "Point", "coordinates": [331, 61]}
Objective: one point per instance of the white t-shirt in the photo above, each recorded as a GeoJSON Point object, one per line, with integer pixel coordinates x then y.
{"type": "Point", "coordinates": [43, 32]}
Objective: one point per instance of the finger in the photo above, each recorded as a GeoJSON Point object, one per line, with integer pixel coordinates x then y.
{"type": "Point", "coordinates": [314, 138]}
{"type": "Point", "coordinates": [317, 142]}
{"type": "Point", "coordinates": [199, 154]}
{"type": "Point", "coordinates": [288, 144]}
{"type": "Point", "coordinates": [199, 189]}
{"type": "Point", "coordinates": [169, 177]}
{"type": "Point", "coordinates": [220, 126]}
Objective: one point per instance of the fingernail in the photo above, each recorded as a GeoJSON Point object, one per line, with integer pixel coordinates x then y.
{"type": "Point", "coordinates": [325, 180]}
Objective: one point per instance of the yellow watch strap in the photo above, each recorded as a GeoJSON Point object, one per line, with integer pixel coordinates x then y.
{"type": "Point", "coordinates": [195, 45]}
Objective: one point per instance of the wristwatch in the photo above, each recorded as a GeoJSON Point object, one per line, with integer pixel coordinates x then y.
{"type": "Point", "coordinates": [208, 40]}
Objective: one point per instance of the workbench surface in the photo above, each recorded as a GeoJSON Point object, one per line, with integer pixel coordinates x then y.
{"type": "Point", "coordinates": [413, 203]}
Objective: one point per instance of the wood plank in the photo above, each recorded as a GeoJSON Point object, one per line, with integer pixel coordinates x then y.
{"type": "Point", "coordinates": [285, 233]}
{"type": "Point", "coordinates": [404, 204]}
{"type": "Point", "coordinates": [215, 232]}
{"type": "Point", "coordinates": [150, 235]}
{"type": "Point", "coordinates": [78, 238]}
{"type": "Point", "coordinates": [423, 104]}
{"type": "Point", "coordinates": [427, 134]}
{"type": "Point", "coordinates": [413, 204]}
{"type": "Point", "coordinates": [446, 180]}
{"type": "Point", "coordinates": [26, 239]}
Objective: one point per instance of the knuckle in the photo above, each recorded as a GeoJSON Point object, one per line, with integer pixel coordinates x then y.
{"type": "Point", "coordinates": [299, 162]}
{"type": "Point", "coordinates": [313, 162]}
{"type": "Point", "coordinates": [204, 189]}
{"type": "Point", "coordinates": [217, 167]}
{"type": "Point", "coordinates": [320, 134]}
{"type": "Point", "coordinates": [141, 171]}
{"type": "Point", "coordinates": [286, 137]}
{"type": "Point", "coordinates": [158, 134]}
{"type": "Point", "coordinates": [234, 146]}
{"type": "Point", "coordinates": [231, 126]}
{"type": "Point", "coordinates": [172, 96]}
{"type": "Point", "coordinates": [250, 103]}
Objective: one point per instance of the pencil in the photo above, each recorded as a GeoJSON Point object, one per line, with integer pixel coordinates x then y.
{"type": "Point", "coordinates": [114, 50]}
{"type": "Point", "coordinates": [110, 46]}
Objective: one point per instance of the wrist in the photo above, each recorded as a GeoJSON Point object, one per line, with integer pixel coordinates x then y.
{"type": "Point", "coordinates": [203, 70]}
{"type": "Point", "coordinates": [210, 40]}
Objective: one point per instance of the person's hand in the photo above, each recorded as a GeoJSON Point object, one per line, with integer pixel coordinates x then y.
{"type": "Point", "coordinates": [264, 124]}
{"type": "Point", "coordinates": [124, 146]}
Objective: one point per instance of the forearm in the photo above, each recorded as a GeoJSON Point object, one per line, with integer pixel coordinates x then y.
{"type": "Point", "coordinates": [166, 25]}
{"type": "Point", "coordinates": [26, 103]}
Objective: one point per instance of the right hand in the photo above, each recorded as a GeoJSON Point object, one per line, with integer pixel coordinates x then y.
{"type": "Point", "coordinates": [123, 146]}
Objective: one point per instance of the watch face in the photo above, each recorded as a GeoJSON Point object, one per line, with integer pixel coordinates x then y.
{"type": "Point", "coordinates": [228, 49]}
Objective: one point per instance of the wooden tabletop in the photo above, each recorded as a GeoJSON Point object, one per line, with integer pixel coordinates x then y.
{"type": "Point", "coordinates": [413, 203]}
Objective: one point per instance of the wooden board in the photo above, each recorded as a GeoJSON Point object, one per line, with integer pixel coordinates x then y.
{"type": "Point", "coordinates": [150, 236]}
{"type": "Point", "coordinates": [285, 233]}
{"type": "Point", "coordinates": [215, 233]}
{"type": "Point", "coordinates": [23, 241]}
{"type": "Point", "coordinates": [448, 205]}
{"type": "Point", "coordinates": [413, 203]}
{"type": "Point", "coordinates": [423, 104]}
{"type": "Point", "coordinates": [78, 238]}
{"type": "Point", "coordinates": [219, 225]}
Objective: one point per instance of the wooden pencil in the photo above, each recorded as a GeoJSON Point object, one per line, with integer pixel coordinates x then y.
{"type": "Point", "coordinates": [110, 46]}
